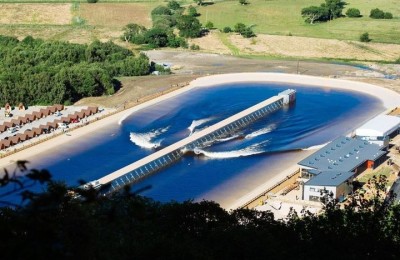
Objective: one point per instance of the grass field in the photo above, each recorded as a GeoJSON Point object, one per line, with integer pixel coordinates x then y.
{"type": "Point", "coordinates": [282, 17]}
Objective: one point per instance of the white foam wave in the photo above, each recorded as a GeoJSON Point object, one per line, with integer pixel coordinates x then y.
{"type": "Point", "coordinates": [315, 147]}
{"type": "Point", "coordinates": [196, 123]}
{"type": "Point", "coordinates": [144, 140]}
{"type": "Point", "coordinates": [262, 131]}
{"type": "Point", "coordinates": [248, 151]}
{"type": "Point", "coordinates": [227, 138]}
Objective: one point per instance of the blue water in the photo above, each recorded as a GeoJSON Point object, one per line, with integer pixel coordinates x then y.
{"type": "Point", "coordinates": [319, 115]}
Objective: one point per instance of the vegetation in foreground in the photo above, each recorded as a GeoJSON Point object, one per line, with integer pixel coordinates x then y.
{"type": "Point", "coordinates": [54, 225]}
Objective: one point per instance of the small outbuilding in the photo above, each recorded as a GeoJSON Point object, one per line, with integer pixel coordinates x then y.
{"type": "Point", "coordinates": [334, 183]}
{"type": "Point", "coordinates": [379, 129]}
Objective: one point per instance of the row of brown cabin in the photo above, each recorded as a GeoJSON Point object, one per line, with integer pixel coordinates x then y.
{"type": "Point", "coordinates": [28, 134]}
{"type": "Point", "coordinates": [31, 117]}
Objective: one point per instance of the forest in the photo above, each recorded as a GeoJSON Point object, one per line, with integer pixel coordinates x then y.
{"type": "Point", "coordinates": [39, 72]}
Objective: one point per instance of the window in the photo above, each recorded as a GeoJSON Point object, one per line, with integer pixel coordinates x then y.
{"type": "Point", "coordinates": [312, 189]}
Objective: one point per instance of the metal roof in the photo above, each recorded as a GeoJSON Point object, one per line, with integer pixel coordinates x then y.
{"type": "Point", "coordinates": [329, 178]}
{"type": "Point", "coordinates": [381, 125]}
{"type": "Point", "coordinates": [343, 154]}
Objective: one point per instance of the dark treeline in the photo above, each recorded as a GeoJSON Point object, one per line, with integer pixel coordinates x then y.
{"type": "Point", "coordinates": [54, 225]}
{"type": "Point", "coordinates": [34, 71]}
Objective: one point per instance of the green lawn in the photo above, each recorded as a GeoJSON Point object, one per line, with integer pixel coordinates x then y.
{"type": "Point", "coordinates": [282, 17]}
{"type": "Point", "coordinates": [383, 171]}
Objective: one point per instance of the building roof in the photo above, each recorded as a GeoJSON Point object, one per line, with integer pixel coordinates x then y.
{"type": "Point", "coordinates": [330, 178]}
{"type": "Point", "coordinates": [343, 154]}
{"type": "Point", "coordinates": [381, 125]}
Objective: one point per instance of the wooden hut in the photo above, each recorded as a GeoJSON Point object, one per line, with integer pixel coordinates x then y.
{"type": "Point", "coordinates": [87, 111]}
{"type": "Point", "coordinates": [2, 146]}
{"type": "Point", "coordinates": [37, 130]}
{"type": "Point", "coordinates": [45, 111]}
{"type": "Point", "coordinates": [80, 114]}
{"type": "Point", "coordinates": [94, 109]}
{"type": "Point", "coordinates": [38, 114]}
{"type": "Point", "coordinates": [52, 109]}
{"type": "Point", "coordinates": [14, 140]}
{"type": "Point", "coordinates": [45, 128]}
{"type": "Point", "coordinates": [9, 124]}
{"type": "Point", "coordinates": [59, 107]}
{"type": "Point", "coordinates": [65, 119]}
{"type": "Point", "coordinates": [31, 117]}
{"type": "Point", "coordinates": [6, 143]}
{"type": "Point", "coordinates": [16, 121]}
{"type": "Point", "coordinates": [73, 118]}
{"type": "Point", "coordinates": [30, 133]}
{"type": "Point", "coordinates": [52, 125]}
{"type": "Point", "coordinates": [3, 128]}
{"type": "Point", "coordinates": [24, 119]}
{"type": "Point", "coordinates": [23, 136]}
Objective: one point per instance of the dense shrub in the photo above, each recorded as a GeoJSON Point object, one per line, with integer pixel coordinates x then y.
{"type": "Point", "coordinates": [377, 14]}
{"type": "Point", "coordinates": [227, 29]}
{"type": "Point", "coordinates": [161, 10]}
{"type": "Point", "coordinates": [209, 25]}
{"type": "Point", "coordinates": [388, 16]}
{"type": "Point", "coordinates": [353, 12]}
{"type": "Point", "coordinates": [92, 1]}
{"type": "Point", "coordinates": [365, 37]}
{"type": "Point", "coordinates": [34, 71]}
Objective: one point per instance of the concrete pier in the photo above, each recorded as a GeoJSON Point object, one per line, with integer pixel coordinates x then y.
{"type": "Point", "coordinates": [162, 158]}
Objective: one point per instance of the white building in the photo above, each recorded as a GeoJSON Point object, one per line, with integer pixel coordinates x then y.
{"type": "Point", "coordinates": [379, 129]}
{"type": "Point", "coordinates": [338, 184]}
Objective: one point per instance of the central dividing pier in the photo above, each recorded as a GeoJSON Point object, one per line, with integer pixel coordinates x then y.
{"type": "Point", "coordinates": [162, 158]}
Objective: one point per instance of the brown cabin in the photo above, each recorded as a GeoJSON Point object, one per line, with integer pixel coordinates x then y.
{"type": "Point", "coordinates": [59, 107]}
{"type": "Point", "coordinates": [45, 112]}
{"type": "Point", "coordinates": [87, 111]}
{"type": "Point", "coordinates": [30, 134]}
{"type": "Point", "coordinates": [16, 121]}
{"type": "Point", "coordinates": [3, 128]}
{"type": "Point", "coordinates": [5, 143]}
{"type": "Point", "coordinates": [23, 137]}
{"type": "Point", "coordinates": [9, 124]}
{"type": "Point", "coordinates": [31, 117]}
{"type": "Point", "coordinates": [14, 140]}
{"type": "Point", "coordinates": [94, 109]}
{"type": "Point", "coordinates": [38, 130]}
{"type": "Point", "coordinates": [52, 125]}
{"type": "Point", "coordinates": [24, 119]}
{"type": "Point", "coordinates": [65, 119]}
{"type": "Point", "coordinates": [73, 117]}
{"type": "Point", "coordinates": [38, 114]}
{"type": "Point", "coordinates": [80, 114]}
{"type": "Point", "coordinates": [52, 109]}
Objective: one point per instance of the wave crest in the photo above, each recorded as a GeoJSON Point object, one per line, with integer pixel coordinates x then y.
{"type": "Point", "coordinates": [247, 151]}
{"type": "Point", "coordinates": [262, 131]}
{"type": "Point", "coordinates": [196, 123]}
{"type": "Point", "coordinates": [145, 140]}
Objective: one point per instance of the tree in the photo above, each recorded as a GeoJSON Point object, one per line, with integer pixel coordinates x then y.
{"type": "Point", "coordinates": [92, 1]}
{"type": "Point", "coordinates": [156, 37]}
{"type": "Point", "coordinates": [313, 13]}
{"type": "Point", "coordinates": [365, 37]}
{"type": "Point", "coordinates": [189, 26]}
{"type": "Point", "coordinates": [173, 5]}
{"type": "Point", "coordinates": [335, 8]}
{"type": "Point", "coordinates": [239, 28]}
{"type": "Point", "coordinates": [353, 12]}
{"type": "Point", "coordinates": [377, 14]}
{"type": "Point", "coordinates": [227, 29]}
{"type": "Point", "coordinates": [161, 10]}
{"type": "Point", "coordinates": [243, 2]}
{"type": "Point", "coordinates": [132, 31]}
{"type": "Point", "coordinates": [198, 2]}
{"type": "Point", "coordinates": [209, 25]}
{"type": "Point", "coordinates": [388, 15]}
{"type": "Point", "coordinates": [192, 11]}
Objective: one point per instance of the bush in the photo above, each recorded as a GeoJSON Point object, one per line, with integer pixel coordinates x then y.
{"type": "Point", "coordinates": [388, 16]}
{"type": "Point", "coordinates": [365, 37]}
{"type": "Point", "coordinates": [173, 5]}
{"type": "Point", "coordinates": [377, 14]}
{"type": "Point", "coordinates": [194, 47]}
{"type": "Point", "coordinates": [161, 10]}
{"type": "Point", "coordinates": [353, 12]}
{"type": "Point", "coordinates": [192, 11]}
{"type": "Point", "coordinates": [209, 25]}
{"type": "Point", "coordinates": [92, 1]}
{"type": "Point", "coordinates": [227, 29]}
{"type": "Point", "coordinates": [248, 33]}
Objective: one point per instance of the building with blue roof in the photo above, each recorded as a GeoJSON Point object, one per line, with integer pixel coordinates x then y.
{"type": "Point", "coordinates": [335, 182]}
{"type": "Point", "coordinates": [333, 167]}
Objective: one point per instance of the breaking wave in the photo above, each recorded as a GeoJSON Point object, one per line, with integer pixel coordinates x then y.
{"type": "Point", "coordinates": [145, 140]}
{"type": "Point", "coordinates": [262, 131]}
{"type": "Point", "coordinates": [247, 151]}
{"type": "Point", "coordinates": [315, 147]}
{"type": "Point", "coordinates": [196, 123]}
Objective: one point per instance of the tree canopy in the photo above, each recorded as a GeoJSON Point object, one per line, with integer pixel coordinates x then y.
{"type": "Point", "coordinates": [65, 222]}
{"type": "Point", "coordinates": [34, 71]}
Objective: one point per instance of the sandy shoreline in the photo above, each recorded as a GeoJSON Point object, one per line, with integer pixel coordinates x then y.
{"type": "Point", "coordinates": [388, 98]}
